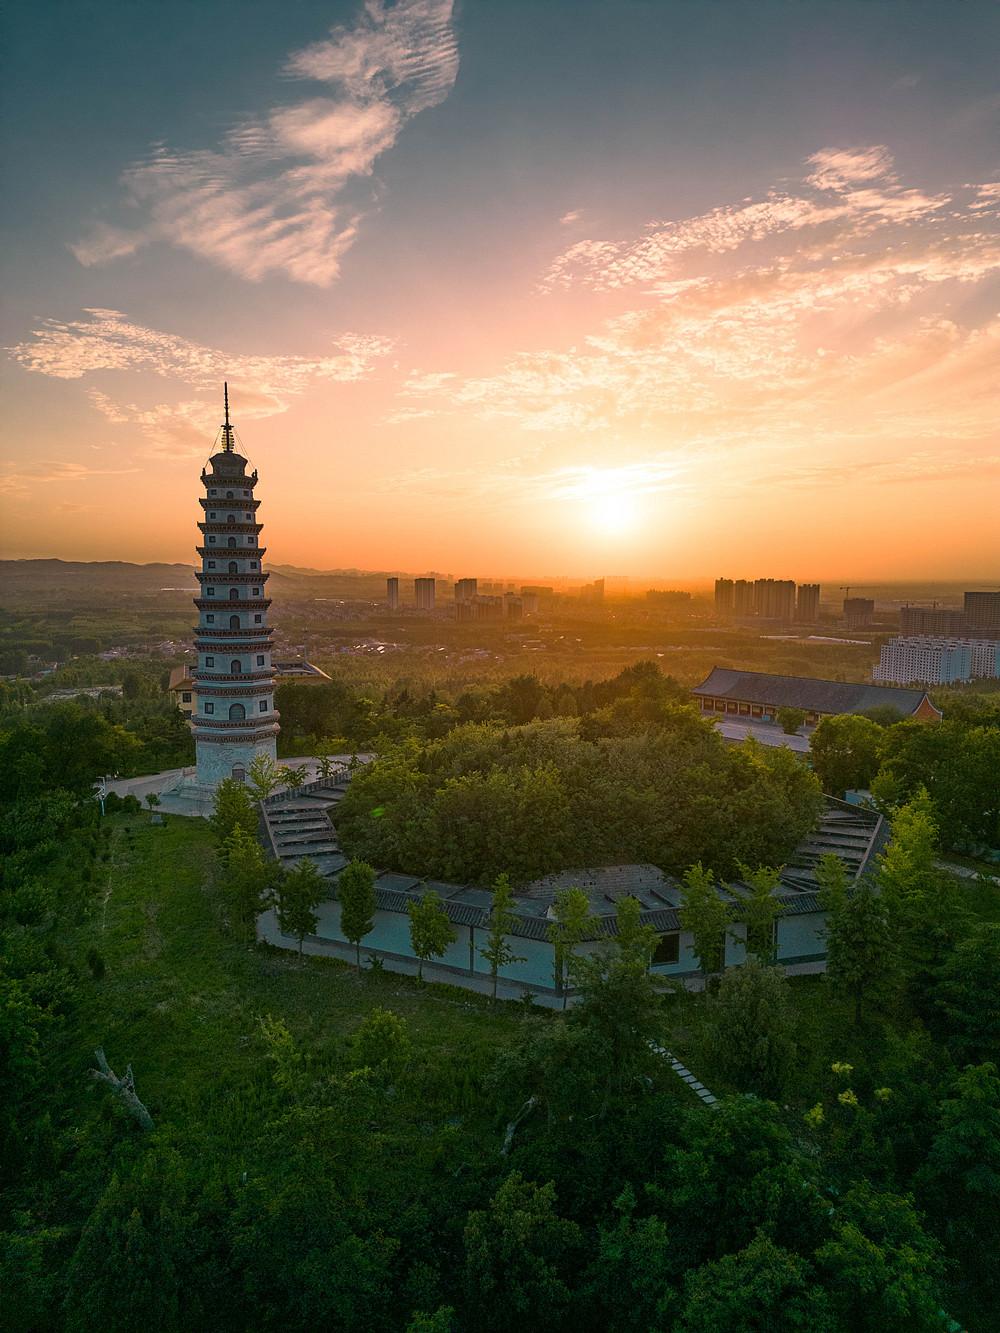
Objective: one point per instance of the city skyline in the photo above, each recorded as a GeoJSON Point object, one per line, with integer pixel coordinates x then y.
{"type": "Point", "coordinates": [738, 310]}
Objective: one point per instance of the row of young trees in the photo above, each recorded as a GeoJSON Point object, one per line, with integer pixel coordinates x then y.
{"type": "Point", "coordinates": [251, 883]}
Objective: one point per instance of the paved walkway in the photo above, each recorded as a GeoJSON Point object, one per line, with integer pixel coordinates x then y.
{"type": "Point", "coordinates": [966, 872]}
{"type": "Point", "coordinates": [738, 729]}
{"type": "Point", "coordinates": [181, 795]}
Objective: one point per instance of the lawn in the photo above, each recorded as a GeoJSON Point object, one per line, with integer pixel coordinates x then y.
{"type": "Point", "coordinates": [181, 998]}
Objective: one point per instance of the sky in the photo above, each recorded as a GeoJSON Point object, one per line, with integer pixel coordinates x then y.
{"type": "Point", "coordinates": [647, 287]}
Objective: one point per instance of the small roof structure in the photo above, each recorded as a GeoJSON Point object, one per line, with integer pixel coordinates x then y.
{"type": "Point", "coordinates": [297, 668]}
{"type": "Point", "coordinates": [811, 693]}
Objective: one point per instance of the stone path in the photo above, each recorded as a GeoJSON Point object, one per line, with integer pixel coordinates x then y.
{"type": "Point", "coordinates": [685, 1075]}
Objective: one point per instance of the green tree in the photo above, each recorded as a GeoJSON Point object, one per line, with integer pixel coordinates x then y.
{"type": "Point", "coordinates": [233, 807]}
{"type": "Point", "coordinates": [761, 1287]}
{"type": "Point", "coordinates": [442, 1320]}
{"type": "Point", "coordinates": [791, 719]}
{"type": "Point", "coordinates": [523, 694]}
{"type": "Point", "coordinates": [959, 1184]}
{"type": "Point", "coordinates": [382, 1043]}
{"type": "Point", "coordinates": [573, 922]}
{"type": "Point", "coordinates": [845, 752]}
{"type": "Point", "coordinates": [630, 1279]}
{"type": "Point", "coordinates": [881, 1270]}
{"type": "Point", "coordinates": [263, 776]}
{"type": "Point", "coordinates": [293, 778]}
{"type": "Point", "coordinates": [705, 916]}
{"type": "Point", "coordinates": [356, 891]}
{"type": "Point", "coordinates": [144, 1258]}
{"type": "Point", "coordinates": [152, 800]}
{"type": "Point", "coordinates": [519, 1257]}
{"type": "Point", "coordinates": [619, 1006]}
{"type": "Point", "coordinates": [750, 1035]}
{"type": "Point", "coordinates": [967, 994]}
{"type": "Point", "coordinates": [759, 910]}
{"type": "Point", "coordinates": [732, 1173]}
{"type": "Point", "coordinates": [912, 885]}
{"type": "Point", "coordinates": [860, 943]}
{"type": "Point", "coordinates": [288, 1061]}
{"type": "Point", "coordinates": [300, 890]}
{"type": "Point", "coordinates": [431, 931]}
{"type": "Point", "coordinates": [497, 951]}
{"type": "Point", "coordinates": [245, 879]}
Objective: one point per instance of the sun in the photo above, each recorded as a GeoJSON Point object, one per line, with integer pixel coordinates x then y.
{"type": "Point", "coordinates": [615, 514]}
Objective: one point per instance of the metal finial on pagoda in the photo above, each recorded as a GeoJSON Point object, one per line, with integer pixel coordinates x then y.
{"type": "Point", "coordinates": [227, 430]}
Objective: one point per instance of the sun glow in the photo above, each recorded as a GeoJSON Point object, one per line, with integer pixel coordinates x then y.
{"type": "Point", "coordinates": [611, 498]}
{"type": "Point", "coordinates": [614, 514]}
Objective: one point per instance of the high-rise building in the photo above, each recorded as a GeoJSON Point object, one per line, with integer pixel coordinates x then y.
{"type": "Point", "coordinates": [774, 599]}
{"type": "Point", "coordinates": [424, 591]}
{"type": "Point", "coordinates": [489, 608]}
{"type": "Point", "coordinates": [529, 602]}
{"type": "Point", "coordinates": [235, 719]}
{"type": "Point", "coordinates": [723, 597]}
{"type": "Point", "coordinates": [743, 597]}
{"type": "Point", "coordinates": [392, 593]}
{"type": "Point", "coordinates": [934, 621]}
{"type": "Point", "coordinates": [513, 606]}
{"type": "Point", "coordinates": [465, 590]}
{"type": "Point", "coordinates": [982, 611]}
{"type": "Point", "coordinates": [929, 661]}
{"type": "Point", "coordinates": [858, 612]}
{"type": "Point", "coordinates": [807, 604]}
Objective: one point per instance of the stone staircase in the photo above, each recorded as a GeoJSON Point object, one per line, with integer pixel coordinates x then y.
{"type": "Point", "coordinates": [296, 824]}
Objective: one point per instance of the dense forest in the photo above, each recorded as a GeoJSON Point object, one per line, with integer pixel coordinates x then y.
{"type": "Point", "coordinates": [487, 799]}
{"type": "Point", "coordinates": [328, 1150]}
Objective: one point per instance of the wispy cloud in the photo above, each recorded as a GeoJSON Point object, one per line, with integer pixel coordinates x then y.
{"type": "Point", "coordinates": [106, 340]}
{"type": "Point", "coordinates": [848, 192]}
{"type": "Point", "coordinates": [833, 318]}
{"type": "Point", "coordinates": [17, 481]}
{"type": "Point", "coordinates": [279, 195]}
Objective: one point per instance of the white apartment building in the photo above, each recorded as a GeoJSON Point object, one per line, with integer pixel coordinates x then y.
{"type": "Point", "coordinates": [937, 661]}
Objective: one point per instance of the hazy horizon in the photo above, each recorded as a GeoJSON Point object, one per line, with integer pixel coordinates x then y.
{"type": "Point", "coordinates": [671, 290]}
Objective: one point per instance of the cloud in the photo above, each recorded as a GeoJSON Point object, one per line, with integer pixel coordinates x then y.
{"type": "Point", "coordinates": [17, 480]}
{"type": "Point", "coordinates": [574, 215]}
{"type": "Point", "coordinates": [847, 317]}
{"type": "Point", "coordinates": [280, 193]}
{"type": "Point", "coordinates": [261, 386]}
{"type": "Point", "coordinates": [850, 192]}
{"type": "Point", "coordinates": [838, 168]}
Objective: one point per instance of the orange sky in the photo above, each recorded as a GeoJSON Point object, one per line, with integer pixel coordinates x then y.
{"type": "Point", "coordinates": [776, 358]}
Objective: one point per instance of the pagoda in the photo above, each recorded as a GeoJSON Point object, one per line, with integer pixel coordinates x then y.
{"type": "Point", "coordinates": [234, 718]}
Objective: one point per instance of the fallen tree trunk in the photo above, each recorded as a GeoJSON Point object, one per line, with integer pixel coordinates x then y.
{"type": "Point", "coordinates": [123, 1088]}
{"type": "Point", "coordinates": [508, 1138]}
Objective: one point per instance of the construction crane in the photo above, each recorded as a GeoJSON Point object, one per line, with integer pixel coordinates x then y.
{"type": "Point", "coordinates": [845, 588]}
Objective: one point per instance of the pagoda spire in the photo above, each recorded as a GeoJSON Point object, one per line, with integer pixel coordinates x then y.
{"type": "Point", "coordinates": [227, 430]}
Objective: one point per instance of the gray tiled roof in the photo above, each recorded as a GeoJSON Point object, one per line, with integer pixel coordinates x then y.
{"type": "Point", "coordinates": [818, 696]}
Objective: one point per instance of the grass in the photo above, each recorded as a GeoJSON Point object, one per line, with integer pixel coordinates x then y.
{"type": "Point", "coordinates": [181, 998]}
